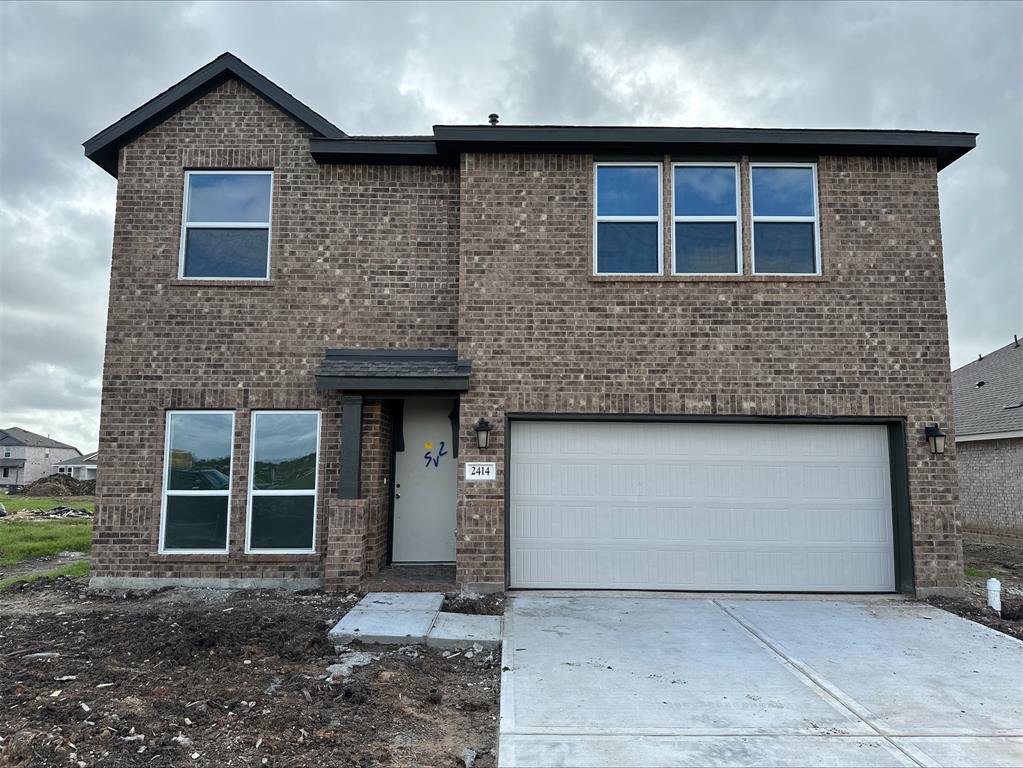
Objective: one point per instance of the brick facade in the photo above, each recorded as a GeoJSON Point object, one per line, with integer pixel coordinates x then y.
{"type": "Point", "coordinates": [868, 338]}
{"type": "Point", "coordinates": [360, 256]}
{"type": "Point", "coordinates": [991, 485]}
{"type": "Point", "coordinates": [493, 257]}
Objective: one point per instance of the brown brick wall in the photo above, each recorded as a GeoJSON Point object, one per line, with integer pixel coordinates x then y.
{"type": "Point", "coordinates": [375, 255]}
{"type": "Point", "coordinates": [869, 338]}
{"type": "Point", "coordinates": [360, 256]}
{"type": "Point", "coordinates": [991, 485]}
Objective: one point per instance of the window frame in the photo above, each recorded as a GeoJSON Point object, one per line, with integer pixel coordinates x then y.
{"type": "Point", "coordinates": [815, 219]}
{"type": "Point", "coordinates": [167, 492]}
{"type": "Point", "coordinates": [598, 219]}
{"type": "Point", "coordinates": [252, 492]}
{"type": "Point", "coordinates": [186, 225]}
{"type": "Point", "coordinates": [709, 219]}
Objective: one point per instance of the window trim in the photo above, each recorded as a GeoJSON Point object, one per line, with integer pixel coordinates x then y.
{"type": "Point", "coordinates": [815, 220]}
{"type": "Point", "coordinates": [598, 219]}
{"type": "Point", "coordinates": [252, 492]}
{"type": "Point", "coordinates": [186, 225]}
{"type": "Point", "coordinates": [166, 492]}
{"type": "Point", "coordinates": [709, 219]}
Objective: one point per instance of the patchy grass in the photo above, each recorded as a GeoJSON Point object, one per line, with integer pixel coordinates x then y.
{"type": "Point", "coordinates": [74, 570]}
{"type": "Point", "coordinates": [975, 573]}
{"type": "Point", "coordinates": [28, 539]}
{"type": "Point", "coordinates": [15, 503]}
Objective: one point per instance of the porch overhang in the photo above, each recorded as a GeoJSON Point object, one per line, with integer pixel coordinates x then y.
{"type": "Point", "coordinates": [368, 371]}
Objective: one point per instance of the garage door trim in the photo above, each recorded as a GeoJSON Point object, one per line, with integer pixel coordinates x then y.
{"type": "Point", "coordinates": [897, 445]}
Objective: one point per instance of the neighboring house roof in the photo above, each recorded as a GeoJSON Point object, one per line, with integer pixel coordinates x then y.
{"type": "Point", "coordinates": [330, 144]}
{"type": "Point", "coordinates": [18, 436]}
{"type": "Point", "coordinates": [12, 462]}
{"type": "Point", "coordinates": [374, 370]}
{"type": "Point", "coordinates": [88, 460]}
{"type": "Point", "coordinates": [102, 148]}
{"type": "Point", "coordinates": [996, 406]}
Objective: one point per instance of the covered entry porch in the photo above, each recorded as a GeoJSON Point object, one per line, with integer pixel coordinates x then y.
{"type": "Point", "coordinates": [393, 518]}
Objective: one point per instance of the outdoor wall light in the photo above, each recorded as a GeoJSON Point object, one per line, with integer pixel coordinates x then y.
{"type": "Point", "coordinates": [483, 428]}
{"type": "Point", "coordinates": [936, 438]}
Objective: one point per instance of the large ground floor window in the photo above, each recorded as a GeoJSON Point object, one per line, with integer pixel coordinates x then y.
{"type": "Point", "coordinates": [197, 482]}
{"type": "Point", "coordinates": [283, 482]}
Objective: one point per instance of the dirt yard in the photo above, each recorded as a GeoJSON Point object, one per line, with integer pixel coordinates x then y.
{"type": "Point", "coordinates": [983, 561]}
{"type": "Point", "coordinates": [179, 678]}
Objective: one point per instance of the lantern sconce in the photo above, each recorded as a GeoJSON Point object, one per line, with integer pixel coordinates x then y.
{"type": "Point", "coordinates": [936, 438]}
{"type": "Point", "coordinates": [483, 428]}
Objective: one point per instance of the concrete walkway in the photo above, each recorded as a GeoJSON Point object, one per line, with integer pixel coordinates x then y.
{"type": "Point", "coordinates": [685, 681]}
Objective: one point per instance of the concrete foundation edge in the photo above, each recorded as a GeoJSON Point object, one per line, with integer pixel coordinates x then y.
{"type": "Point", "coordinates": [101, 583]}
{"type": "Point", "coordinates": [483, 587]}
{"type": "Point", "coordinates": [940, 592]}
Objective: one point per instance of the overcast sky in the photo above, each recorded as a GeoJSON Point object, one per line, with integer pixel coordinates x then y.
{"type": "Point", "coordinates": [67, 71]}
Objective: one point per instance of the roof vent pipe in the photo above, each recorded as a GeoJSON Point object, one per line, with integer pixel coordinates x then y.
{"type": "Point", "coordinates": [1015, 339]}
{"type": "Point", "coordinates": [493, 118]}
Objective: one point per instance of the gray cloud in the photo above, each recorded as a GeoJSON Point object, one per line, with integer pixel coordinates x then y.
{"type": "Point", "coordinates": [68, 70]}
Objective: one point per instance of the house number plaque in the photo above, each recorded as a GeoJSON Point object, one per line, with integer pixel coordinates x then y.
{"type": "Point", "coordinates": [477, 471]}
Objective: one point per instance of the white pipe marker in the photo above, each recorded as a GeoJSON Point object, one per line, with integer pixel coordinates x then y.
{"type": "Point", "coordinates": [994, 595]}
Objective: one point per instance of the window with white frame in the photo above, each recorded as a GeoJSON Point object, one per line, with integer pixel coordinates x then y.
{"type": "Point", "coordinates": [786, 233]}
{"type": "Point", "coordinates": [225, 229]}
{"type": "Point", "coordinates": [627, 226]}
{"type": "Point", "coordinates": [283, 481]}
{"type": "Point", "coordinates": [7, 453]}
{"type": "Point", "coordinates": [707, 235]}
{"type": "Point", "coordinates": [197, 482]}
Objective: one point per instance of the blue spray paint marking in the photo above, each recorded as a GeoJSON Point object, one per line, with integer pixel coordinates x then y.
{"type": "Point", "coordinates": [435, 460]}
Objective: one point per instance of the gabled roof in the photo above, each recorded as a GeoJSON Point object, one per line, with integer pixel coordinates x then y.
{"type": "Point", "coordinates": [329, 144]}
{"type": "Point", "coordinates": [102, 148]}
{"type": "Point", "coordinates": [19, 436]}
{"type": "Point", "coordinates": [88, 460]}
{"type": "Point", "coordinates": [995, 406]}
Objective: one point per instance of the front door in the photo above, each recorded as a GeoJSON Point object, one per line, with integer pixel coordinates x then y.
{"type": "Point", "coordinates": [425, 485]}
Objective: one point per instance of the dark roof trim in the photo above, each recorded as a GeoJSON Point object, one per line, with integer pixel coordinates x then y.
{"type": "Point", "coordinates": [393, 370]}
{"type": "Point", "coordinates": [945, 146]}
{"type": "Point", "coordinates": [408, 151]}
{"type": "Point", "coordinates": [102, 148]}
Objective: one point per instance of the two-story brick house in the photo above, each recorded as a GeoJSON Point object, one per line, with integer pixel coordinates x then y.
{"type": "Point", "coordinates": [707, 357]}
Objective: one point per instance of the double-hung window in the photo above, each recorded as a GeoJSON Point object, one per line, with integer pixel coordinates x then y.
{"type": "Point", "coordinates": [786, 235]}
{"type": "Point", "coordinates": [225, 230]}
{"type": "Point", "coordinates": [707, 235]}
{"type": "Point", "coordinates": [197, 482]}
{"type": "Point", "coordinates": [282, 481]}
{"type": "Point", "coordinates": [627, 227]}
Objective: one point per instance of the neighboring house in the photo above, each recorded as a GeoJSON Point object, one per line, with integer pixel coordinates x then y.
{"type": "Point", "coordinates": [707, 356]}
{"type": "Point", "coordinates": [79, 467]}
{"type": "Point", "coordinates": [26, 456]}
{"type": "Point", "coordinates": [988, 396]}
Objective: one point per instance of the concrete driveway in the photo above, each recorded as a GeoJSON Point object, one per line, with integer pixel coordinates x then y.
{"type": "Point", "coordinates": [603, 680]}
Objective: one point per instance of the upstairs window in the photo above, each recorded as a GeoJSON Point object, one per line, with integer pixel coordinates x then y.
{"type": "Point", "coordinates": [707, 234]}
{"type": "Point", "coordinates": [627, 227]}
{"type": "Point", "coordinates": [226, 225]}
{"type": "Point", "coordinates": [197, 482]}
{"type": "Point", "coordinates": [282, 481]}
{"type": "Point", "coordinates": [786, 238]}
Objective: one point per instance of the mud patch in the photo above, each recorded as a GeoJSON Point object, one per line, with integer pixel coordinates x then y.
{"type": "Point", "coordinates": [175, 678]}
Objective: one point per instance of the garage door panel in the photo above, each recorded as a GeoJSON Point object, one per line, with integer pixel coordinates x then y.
{"type": "Point", "coordinates": [695, 506]}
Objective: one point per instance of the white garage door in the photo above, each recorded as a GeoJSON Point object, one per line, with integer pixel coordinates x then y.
{"type": "Point", "coordinates": [772, 507]}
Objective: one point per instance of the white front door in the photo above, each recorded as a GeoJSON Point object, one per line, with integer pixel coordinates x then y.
{"type": "Point", "coordinates": [425, 485]}
{"type": "Point", "coordinates": [761, 507]}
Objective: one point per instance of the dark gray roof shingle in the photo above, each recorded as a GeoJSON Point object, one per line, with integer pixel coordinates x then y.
{"type": "Point", "coordinates": [392, 369]}
{"type": "Point", "coordinates": [997, 405]}
{"type": "Point", "coordinates": [87, 460]}
{"type": "Point", "coordinates": [19, 436]}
